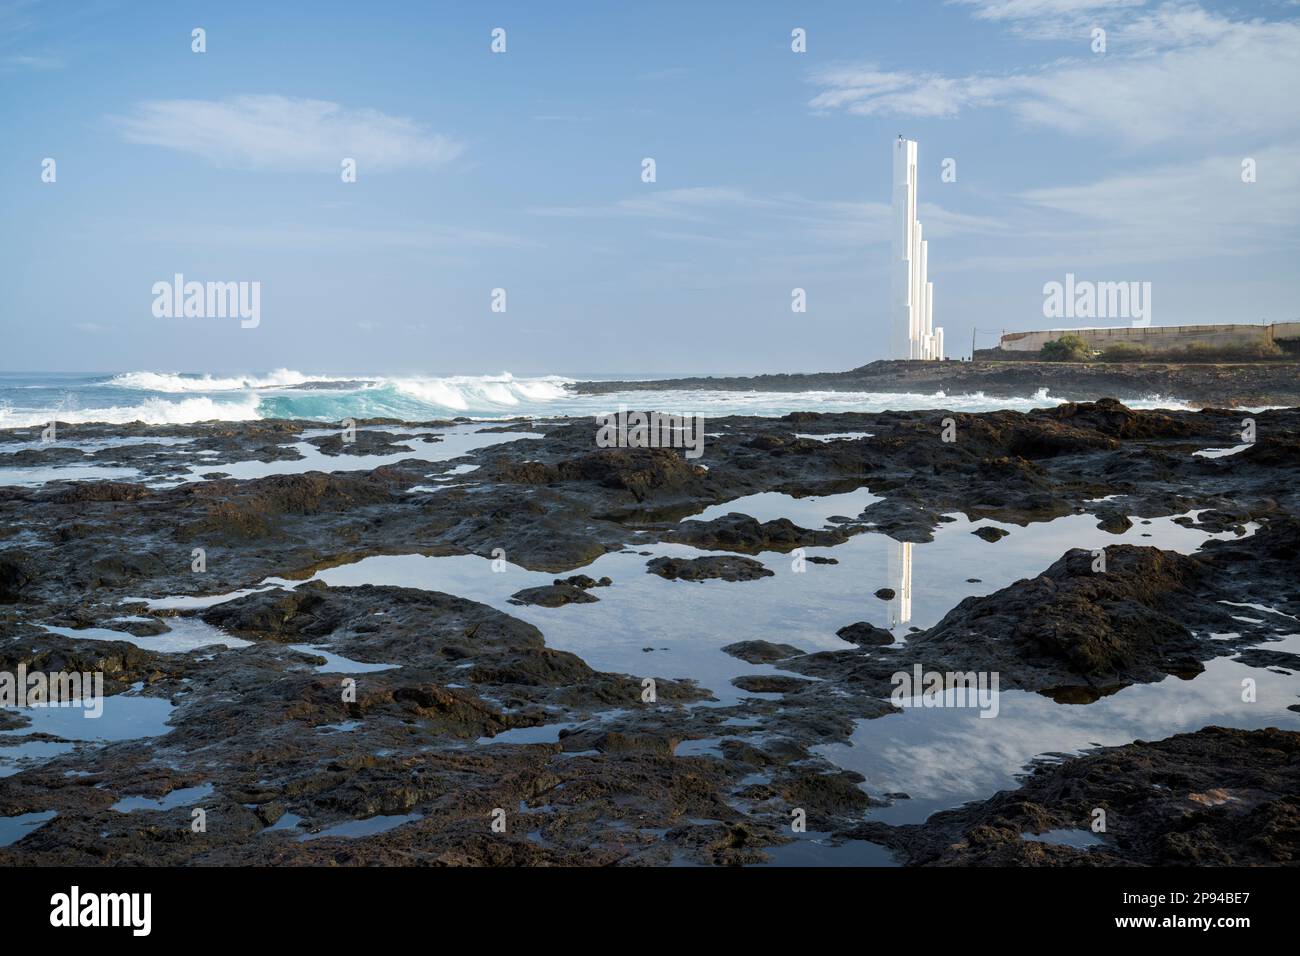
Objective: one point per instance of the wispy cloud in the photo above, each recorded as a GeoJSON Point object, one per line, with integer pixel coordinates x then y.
{"type": "Point", "coordinates": [283, 133]}
{"type": "Point", "coordinates": [1036, 9]}
{"type": "Point", "coordinates": [1176, 212]}
{"type": "Point", "coordinates": [1050, 19]}
{"type": "Point", "coordinates": [296, 236]}
{"type": "Point", "coordinates": [728, 216]}
{"type": "Point", "coordinates": [693, 204]}
{"type": "Point", "coordinates": [18, 21]}
{"type": "Point", "coordinates": [16, 16]}
{"type": "Point", "coordinates": [1175, 72]}
{"type": "Point", "coordinates": [10, 64]}
{"type": "Point", "coordinates": [870, 91]}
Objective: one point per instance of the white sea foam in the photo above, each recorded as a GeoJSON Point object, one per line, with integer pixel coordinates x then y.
{"type": "Point", "coordinates": [482, 392]}
{"type": "Point", "coordinates": [178, 398]}
{"type": "Point", "coordinates": [152, 411]}
{"type": "Point", "coordinates": [180, 382]}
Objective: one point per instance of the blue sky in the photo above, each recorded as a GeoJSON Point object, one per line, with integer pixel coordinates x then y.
{"type": "Point", "coordinates": [522, 171]}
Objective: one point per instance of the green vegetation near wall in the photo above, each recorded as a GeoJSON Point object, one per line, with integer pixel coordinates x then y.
{"type": "Point", "coordinates": [1068, 348]}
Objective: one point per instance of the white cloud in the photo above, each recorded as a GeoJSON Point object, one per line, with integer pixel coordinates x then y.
{"type": "Point", "coordinates": [1049, 19]}
{"type": "Point", "coordinates": [1034, 9]}
{"type": "Point", "coordinates": [867, 91]}
{"type": "Point", "coordinates": [1190, 201]}
{"type": "Point", "coordinates": [284, 133]}
{"type": "Point", "coordinates": [1174, 73]}
{"type": "Point", "coordinates": [1199, 209]}
{"type": "Point", "coordinates": [1177, 72]}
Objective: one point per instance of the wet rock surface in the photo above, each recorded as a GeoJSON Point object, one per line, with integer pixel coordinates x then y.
{"type": "Point", "coordinates": [553, 595]}
{"type": "Point", "coordinates": [424, 712]}
{"type": "Point", "coordinates": [762, 652]}
{"type": "Point", "coordinates": [865, 634]}
{"type": "Point", "coordinates": [1217, 797]}
{"type": "Point", "coordinates": [737, 532]}
{"type": "Point", "coordinates": [1076, 632]}
{"type": "Point", "coordinates": [727, 568]}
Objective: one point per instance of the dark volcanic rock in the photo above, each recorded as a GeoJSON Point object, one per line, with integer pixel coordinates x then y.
{"type": "Point", "coordinates": [1263, 657]}
{"type": "Point", "coordinates": [1217, 797]}
{"type": "Point", "coordinates": [637, 470]}
{"type": "Point", "coordinates": [1262, 568]}
{"type": "Point", "coordinates": [865, 635]}
{"type": "Point", "coordinates": [1115, 420]}
{"type": "Point", "coordinates": [553, 595]}
{"type": "Point", "coordinates": [761, 652]}
{"type": "Point", "coordinates": [1115, 523]}
{"type": "Point", "coordinates": [258, 508]}
{"type": "Point", "coordinates": [458, 705]}
{"type": "Point", "coordinates": [1076, 634]}
{"type": "Point", "coordinates": [94, 491]}
{"type": "Point", "coordinates": [1118, 626]}
{"type": "Point", "coordinates": [277, 615]}
{"type": "Point", "coordinates": [824, 795]}
{"type": "Point", "coordinates": [1220, 385]}
{"type": "Point", "coordinates": [727, 567]}
{"type": "Point", "coordinates": [990, 534]}
{"type": "Point", "coordinates": [885, 594]}
{"type": "Point", "coordinates": [366, 442]}
{"type": "Point", "coordinates": [770, 683]}
{"type": "Point", "coordinates": [739, 532]}
{"type": "Point", "coordinates": [16, 572]}
{"type": "Point", "coordinates": [584, 581]}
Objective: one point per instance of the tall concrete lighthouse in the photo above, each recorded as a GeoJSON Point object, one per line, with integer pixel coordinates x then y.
{"type": "Point", "coordinates": [911, 293]}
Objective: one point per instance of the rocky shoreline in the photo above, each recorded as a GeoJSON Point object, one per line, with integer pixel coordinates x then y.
{"type": "Point", "coordinates": [463, 709]}
{"type": "Point", "coordinates": [1244, 385]}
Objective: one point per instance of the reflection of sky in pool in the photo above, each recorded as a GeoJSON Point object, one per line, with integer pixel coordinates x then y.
{"type": "Point", "coordinates": [13, 829]}
{"type": "Point", "coordinates": [687, 623]}
{"type": "Point", "coordinates": [125, 717]}
{"type": "Point", "coordinates": [184, 797]}
{"type": "Point", "coordinates": [940, 757]}
{"type": "Point", "coordinates": [457, 440]}
{"type": "Point", "coordinates": [186, 634]}
{"type": "Point", "coordinates": [943, 757]}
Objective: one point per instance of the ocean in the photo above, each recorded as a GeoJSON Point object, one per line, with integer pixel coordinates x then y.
{"type": "Point", "coordinates": [35, 398]}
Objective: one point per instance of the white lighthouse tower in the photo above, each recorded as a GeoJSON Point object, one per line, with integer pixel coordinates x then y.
{"type": "Point", "coordinates": [911, 293]}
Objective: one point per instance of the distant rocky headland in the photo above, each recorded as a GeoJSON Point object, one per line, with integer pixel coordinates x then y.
{"type": "Point", "coordinates": [1247, 384]}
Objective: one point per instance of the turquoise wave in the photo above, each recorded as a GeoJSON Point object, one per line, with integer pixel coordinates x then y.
{"type": "Point", "coordinates": [384, 401]}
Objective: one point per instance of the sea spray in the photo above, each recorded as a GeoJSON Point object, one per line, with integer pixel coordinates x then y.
{"type": "Point", "coordinates": [174, 398]}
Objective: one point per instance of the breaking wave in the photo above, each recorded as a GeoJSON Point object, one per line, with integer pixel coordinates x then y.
{"type": "Point", "coordinates": [153, 411]}
{"type": "Point", "coordinates": [175, 398]}
{"type": "Point", "coordinates": [180, 382]}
